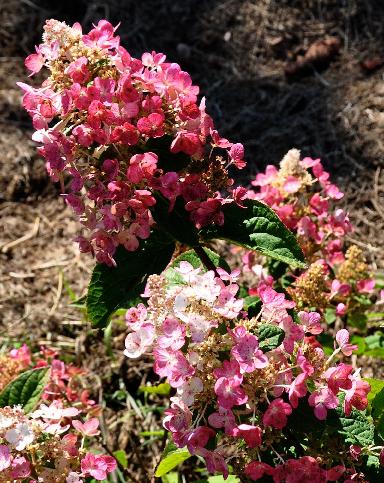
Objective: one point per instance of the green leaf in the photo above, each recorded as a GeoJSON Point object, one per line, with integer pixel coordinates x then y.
{"type": "Point", "coordinates": [358, 320]}
{"type": "Point", "coordinates": [26, 389]}
{"type": "Point", "coordinates": [252, 305]}
{"type": "Point", "coordinates": [163, 389]}
{"type": "Point", "coordinates": [375, 340]}
{"type": "Point", "coordinates": [257, 227]}
{"type": "Point", "coordinates": [376, 386]}
{"type": "Point", "coordinates": [169, 448]}
{"type": "Point", "coordinates": [220, 479]}
{"type": "Point", "coordinates": [121, 457]}
{"type": "Point", "coordinates": [356, 428]}
{"type": "Point", "coordinates": [108, 340]}
{"type": "Point", "coordinates": [361, 345]}
{"type": "Point", "coordinates": [174, 278]}
{"type": "Point", "coordinates": [372, 469]}
{"type": "Point", "coordinates": [79, 303]}
{"type": "Point", "coordinates": [175, 223]}
{"type": "Point", "coordinates": [330, 315]}
{"type": "Point", "coordinates": [375, 315]}
{"type": "Point", "coordinates": [378, 410]}
{"type": "Point", "coordinates": [362, 299]}
{"type": "Point", "coordinates": [71, 294]}
{"type": "Point", "coordinates": [375, 345]}
{"type": "Point", "coordinates": [270, 336]}
{"type": "Point", "coordinates": [378, 353]}
{"type": "Point", "coordinates": [327, 341]}
{"type": "Point", "coordinates": [171, 460]}
{"type": "Point", "coordinates": [114, 287]}
{"type": "Point", "coordinates": [170, 478]}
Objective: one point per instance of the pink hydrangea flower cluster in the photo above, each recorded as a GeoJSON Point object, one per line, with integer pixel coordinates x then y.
{"type": "Point", "coordinates": [48, 445]}
{"type": "Point", "coordinates": [301, 193]}
{"type": "Point", "coordinates": [99, 118]}
{"type": "Point", "coordinates": [282, 189]}
{"type": "Point", "coordinates": [305, 468]}
{"type": "Point", "coordinates": [234, 395]}
{"type": "Point", "coordinates": [66, 383]}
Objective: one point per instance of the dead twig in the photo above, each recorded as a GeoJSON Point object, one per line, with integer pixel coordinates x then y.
{"type": "Point", "coordinates": [52, 264]}
{"type": "Point", "coordinates": [361, 244]}
{"type": "Point", "coordinates": [35, 229]}
{"type": "Point", "coordinates": [58, 294]}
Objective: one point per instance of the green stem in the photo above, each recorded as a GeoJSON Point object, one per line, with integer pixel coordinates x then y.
{"type": "Point", "coordinates": [206, 261]}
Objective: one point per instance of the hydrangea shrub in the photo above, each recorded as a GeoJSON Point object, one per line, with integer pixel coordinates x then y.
{"type": "Point", "coordinates": [46, 421]}
{"type": "Point", "coordinates": [257, 389]}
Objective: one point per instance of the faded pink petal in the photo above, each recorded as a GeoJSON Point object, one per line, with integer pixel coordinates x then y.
{"type": "Point", "coordinates": [34, 63]}
{"type": "Point", "coordinates": [89, 428]}
{"type": "Point", "coordinates": [366, 286]}
{"type": "Point", "coordinates": [292, 184]}
{"type": "Point", "coordinates": [5, 457]}
{"type": "Point", "coordinates": [342, 338]}
{"type": "Point", "coordinates": [20, 468]}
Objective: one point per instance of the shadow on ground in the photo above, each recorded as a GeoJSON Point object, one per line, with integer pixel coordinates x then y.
{"type": "Point", "coordinates": [237, 52]}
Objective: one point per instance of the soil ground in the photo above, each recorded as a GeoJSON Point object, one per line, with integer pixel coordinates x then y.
{"type": "Point", "coordinates": [242, 53]}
